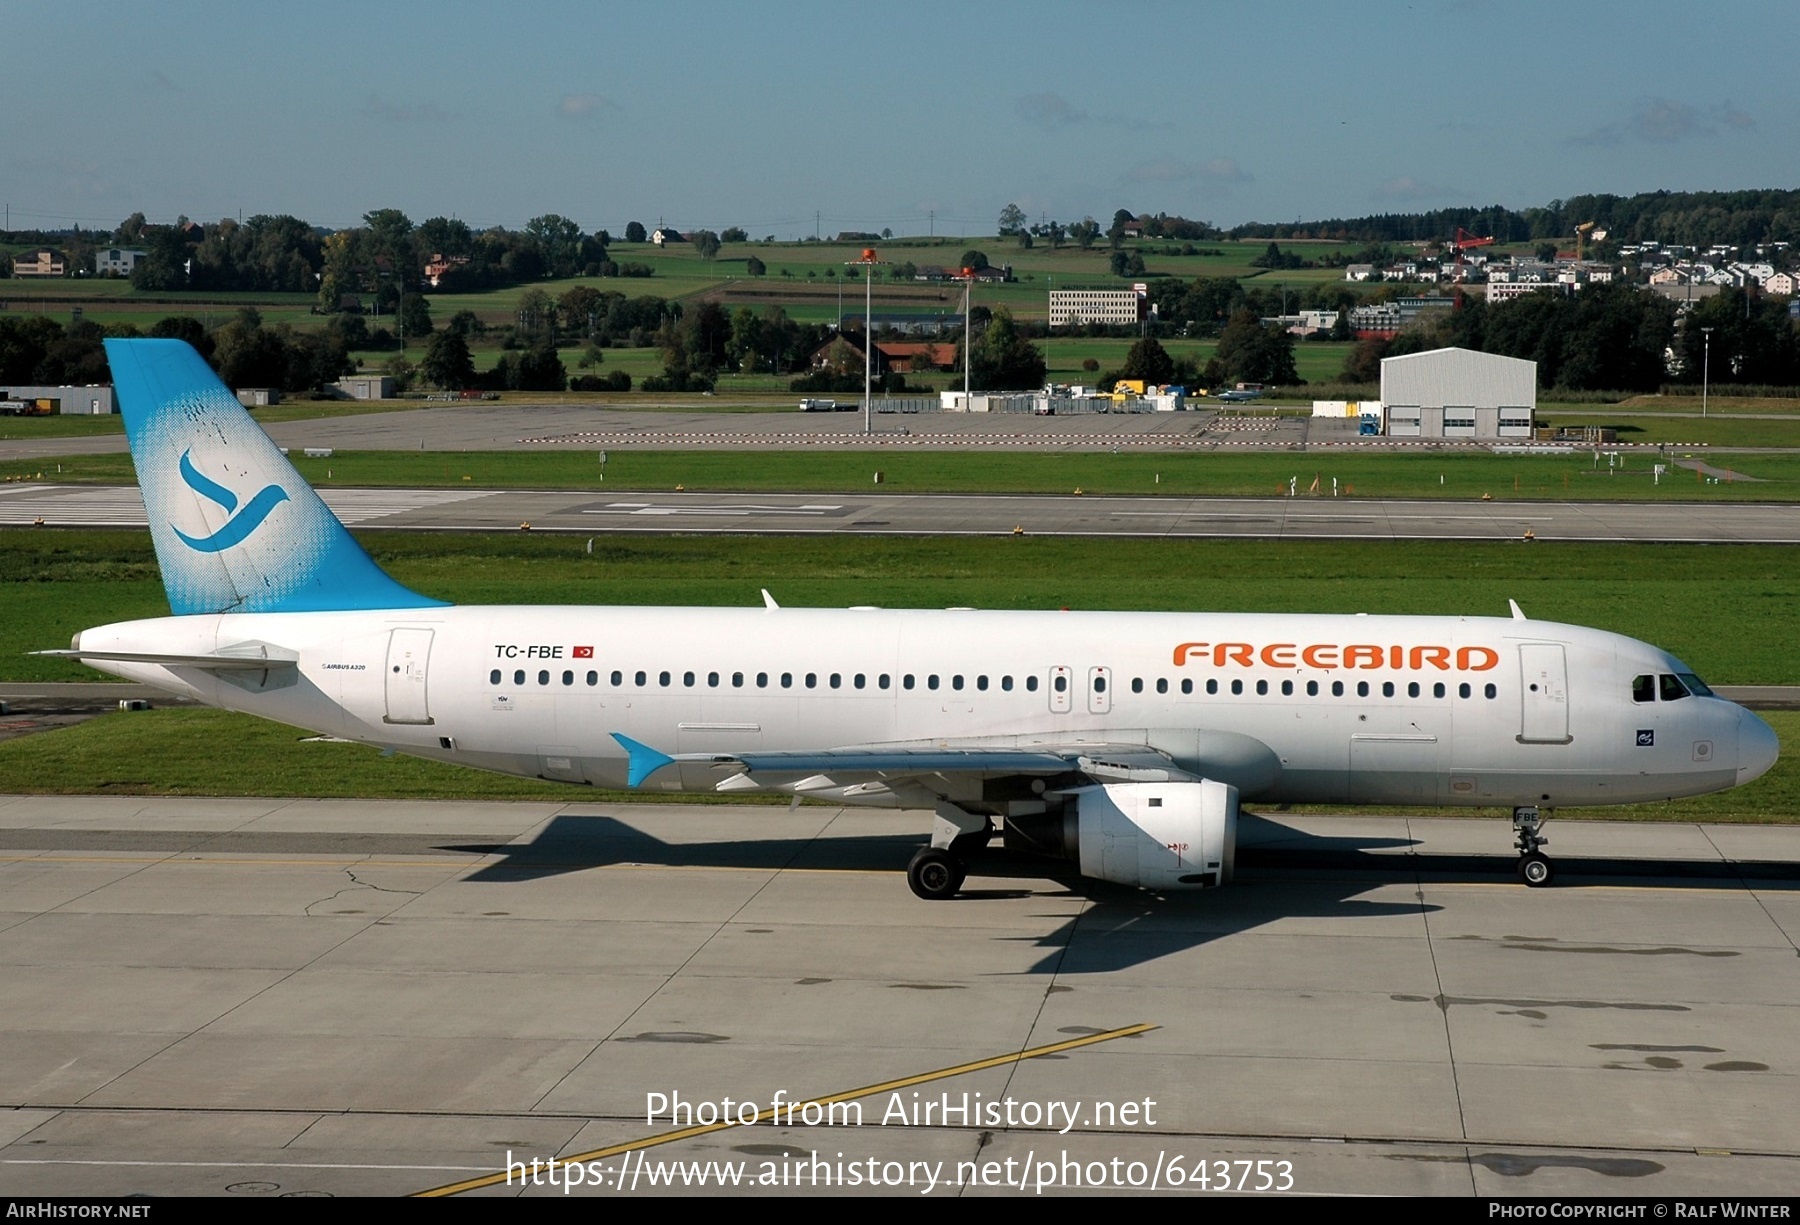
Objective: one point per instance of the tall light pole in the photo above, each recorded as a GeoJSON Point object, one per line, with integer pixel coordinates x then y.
{"type": "Point", "coordinates": [868, 262]}
{"type": "Point", "coordinates": [968, 353]}
{"type": "Point", "coordinates": [1705, 367]}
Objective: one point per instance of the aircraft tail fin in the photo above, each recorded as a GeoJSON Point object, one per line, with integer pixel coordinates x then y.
{"type": "Point", "coordinates": [236, 528]}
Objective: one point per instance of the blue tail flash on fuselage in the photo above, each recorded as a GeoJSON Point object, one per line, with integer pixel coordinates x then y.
{"type": "Point", "coordinates": [236, 529]}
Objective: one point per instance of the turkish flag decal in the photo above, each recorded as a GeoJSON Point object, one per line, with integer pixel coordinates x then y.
{"type": "Point", "coordinates": [584, 652]}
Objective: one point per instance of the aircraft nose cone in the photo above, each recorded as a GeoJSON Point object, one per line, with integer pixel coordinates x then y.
{"type": "Point", "coordinates": [1757, 747]}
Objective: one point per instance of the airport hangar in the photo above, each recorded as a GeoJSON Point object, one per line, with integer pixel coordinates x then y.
{"type": "Point", "coordinates": [1458, 393]}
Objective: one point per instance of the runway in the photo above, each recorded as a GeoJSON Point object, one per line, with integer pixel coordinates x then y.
{"type": "Point", "coordinates": [1300, 518]}
{"type": "Point", "coordinates": [273, 997]}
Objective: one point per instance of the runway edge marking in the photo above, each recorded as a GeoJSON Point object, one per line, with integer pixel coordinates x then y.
{"type": "Point", "coordinates": [886, 1086]}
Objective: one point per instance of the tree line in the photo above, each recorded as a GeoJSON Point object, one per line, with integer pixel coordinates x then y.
{"type": "Point", "coordinates": [1611, 338]}
{"type": "Point", "coordinates": [1688, 218]}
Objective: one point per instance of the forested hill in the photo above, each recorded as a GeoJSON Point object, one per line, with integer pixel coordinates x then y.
{"type": "Point", "coordinates": [1691, 218]}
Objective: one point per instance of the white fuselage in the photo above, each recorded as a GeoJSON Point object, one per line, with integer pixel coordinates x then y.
{"type": "Point", "coordinates": [1288, 708]}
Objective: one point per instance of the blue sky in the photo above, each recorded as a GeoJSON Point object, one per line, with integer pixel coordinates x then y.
{"type": "Point", "coordinates": [909, 117]}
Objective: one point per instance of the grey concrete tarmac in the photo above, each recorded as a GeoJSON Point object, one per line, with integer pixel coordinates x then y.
{"type": "Point", "coordinates": [600, 510]}
{"type": "Point", "coordinates": [274, 997]}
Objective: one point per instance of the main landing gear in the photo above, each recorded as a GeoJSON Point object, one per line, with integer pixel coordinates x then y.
{"type": "Point", "coordinates": [934, 874]}
{"type": "Point", "coordinates": [937, 872]}
{"type": "Point", "coordinates": [1535, 868]}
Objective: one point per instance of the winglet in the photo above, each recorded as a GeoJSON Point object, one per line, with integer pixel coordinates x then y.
{"type": "Point", "coordinates": [769, 601]}
{"type": "Point", "coordinates": [643, 761]}
{"type": "Point", "coordinates": [1517, 612]}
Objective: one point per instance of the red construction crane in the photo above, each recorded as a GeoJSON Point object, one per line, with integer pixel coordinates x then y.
{"type": "Point", "coordinates": [1465, 241]}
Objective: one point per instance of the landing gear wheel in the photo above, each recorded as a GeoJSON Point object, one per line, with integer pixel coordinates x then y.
{"type": "Point", "coordinates": [1535, 870]}
{"type": "Point", "coordinates": [935, 875]}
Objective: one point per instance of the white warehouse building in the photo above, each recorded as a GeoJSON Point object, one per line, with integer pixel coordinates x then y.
{"type": "Point", "coordinates": [1458, 393]}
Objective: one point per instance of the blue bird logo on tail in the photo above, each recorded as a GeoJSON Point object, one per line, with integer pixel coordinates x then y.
{"type": "Point", "coordinates": [241, 524]}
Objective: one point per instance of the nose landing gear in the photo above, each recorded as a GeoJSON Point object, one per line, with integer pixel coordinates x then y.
{"type": "Point", "coordinates": [1535, 868]}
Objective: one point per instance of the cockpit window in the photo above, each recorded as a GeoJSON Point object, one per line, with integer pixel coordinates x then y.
{"type": "Point", "coordinates": [1643, 689]}
{"type": "Point", "coordinates": [1670, 689]}
{"type": "Point", "coordinates": [1695, 685]}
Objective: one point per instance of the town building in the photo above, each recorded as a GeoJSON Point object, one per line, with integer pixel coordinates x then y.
{"type": "Point", "coordinates": [44, 261]}
{"type": "Point", "coordinates": [117, 261]}
{"type": "Point", "coordinates": [1114, 306]}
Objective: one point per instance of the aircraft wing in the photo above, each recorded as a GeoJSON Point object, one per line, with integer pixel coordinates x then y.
{"type": "Point", "coordinates": [893, 764]}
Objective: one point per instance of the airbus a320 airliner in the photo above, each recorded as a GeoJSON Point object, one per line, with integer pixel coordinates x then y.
{"type": "Point", "coordinates": [1122, 741]}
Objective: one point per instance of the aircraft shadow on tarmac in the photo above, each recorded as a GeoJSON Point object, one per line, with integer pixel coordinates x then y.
{"type": "Point", "coordinates": [1283, 874]}
{"type": "Point", "coordinates": [1122, 927]}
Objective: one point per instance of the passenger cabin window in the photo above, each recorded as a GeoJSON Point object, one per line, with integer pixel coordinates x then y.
{"type": "Point", "coordinates": [663, 678]}
{"type": "Point", "coordinates": [618, 679]}
{"type": "Point", "coordinates": [931, 681]}
{"type": "Point", "coordinates": [1031, 684]}
{"type": "Point", "coordinates": [544, 677]}
{"type": "Point", "coordinates": [494, 677]}
{"type": "Point", "coordinates": [1162, 684]}
{"type": "Point", "coordinates": [519, 677]}
{"type": "Point", "coordinates": [568, 678]}
{"type": "Point", "coordinates": [1137, 684]}
{"type": "Point", "coordinates": [1187, 685]}
{"type": "Point", "coordinates": [593, 678]}
{"type": "Point", "coordinates": [1006, 683]}
{"type": "Point", "coordinates": [1060, 684]}
{"type": "Point", "coordinates": [687, 678]}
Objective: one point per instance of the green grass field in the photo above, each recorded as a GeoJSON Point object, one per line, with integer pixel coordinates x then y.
{"type": "Point", "coordinates": [1455, 476]}
{"type": "Point", "coordinates": [55, 583]}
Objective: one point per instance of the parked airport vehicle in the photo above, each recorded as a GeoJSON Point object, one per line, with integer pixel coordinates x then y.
{"type": "Point", "coordinates": [1122, 741]}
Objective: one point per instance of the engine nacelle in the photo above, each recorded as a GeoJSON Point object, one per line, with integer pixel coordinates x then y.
{"type": "Point", "coordinates": [1157, 835]}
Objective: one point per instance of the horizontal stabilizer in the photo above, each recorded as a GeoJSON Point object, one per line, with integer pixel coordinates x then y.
{"type": "Point", "coordinates": [252, 657]}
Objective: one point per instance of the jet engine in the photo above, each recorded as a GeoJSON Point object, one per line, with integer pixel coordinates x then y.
{"type": "Point", "coordinates": [1154, 835]}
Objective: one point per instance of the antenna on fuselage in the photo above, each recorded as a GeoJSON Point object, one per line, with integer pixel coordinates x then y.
{"type": "Point", "coordinates": [769, 600]}
{"type": "Point", "coordinates": [1518, 613]}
